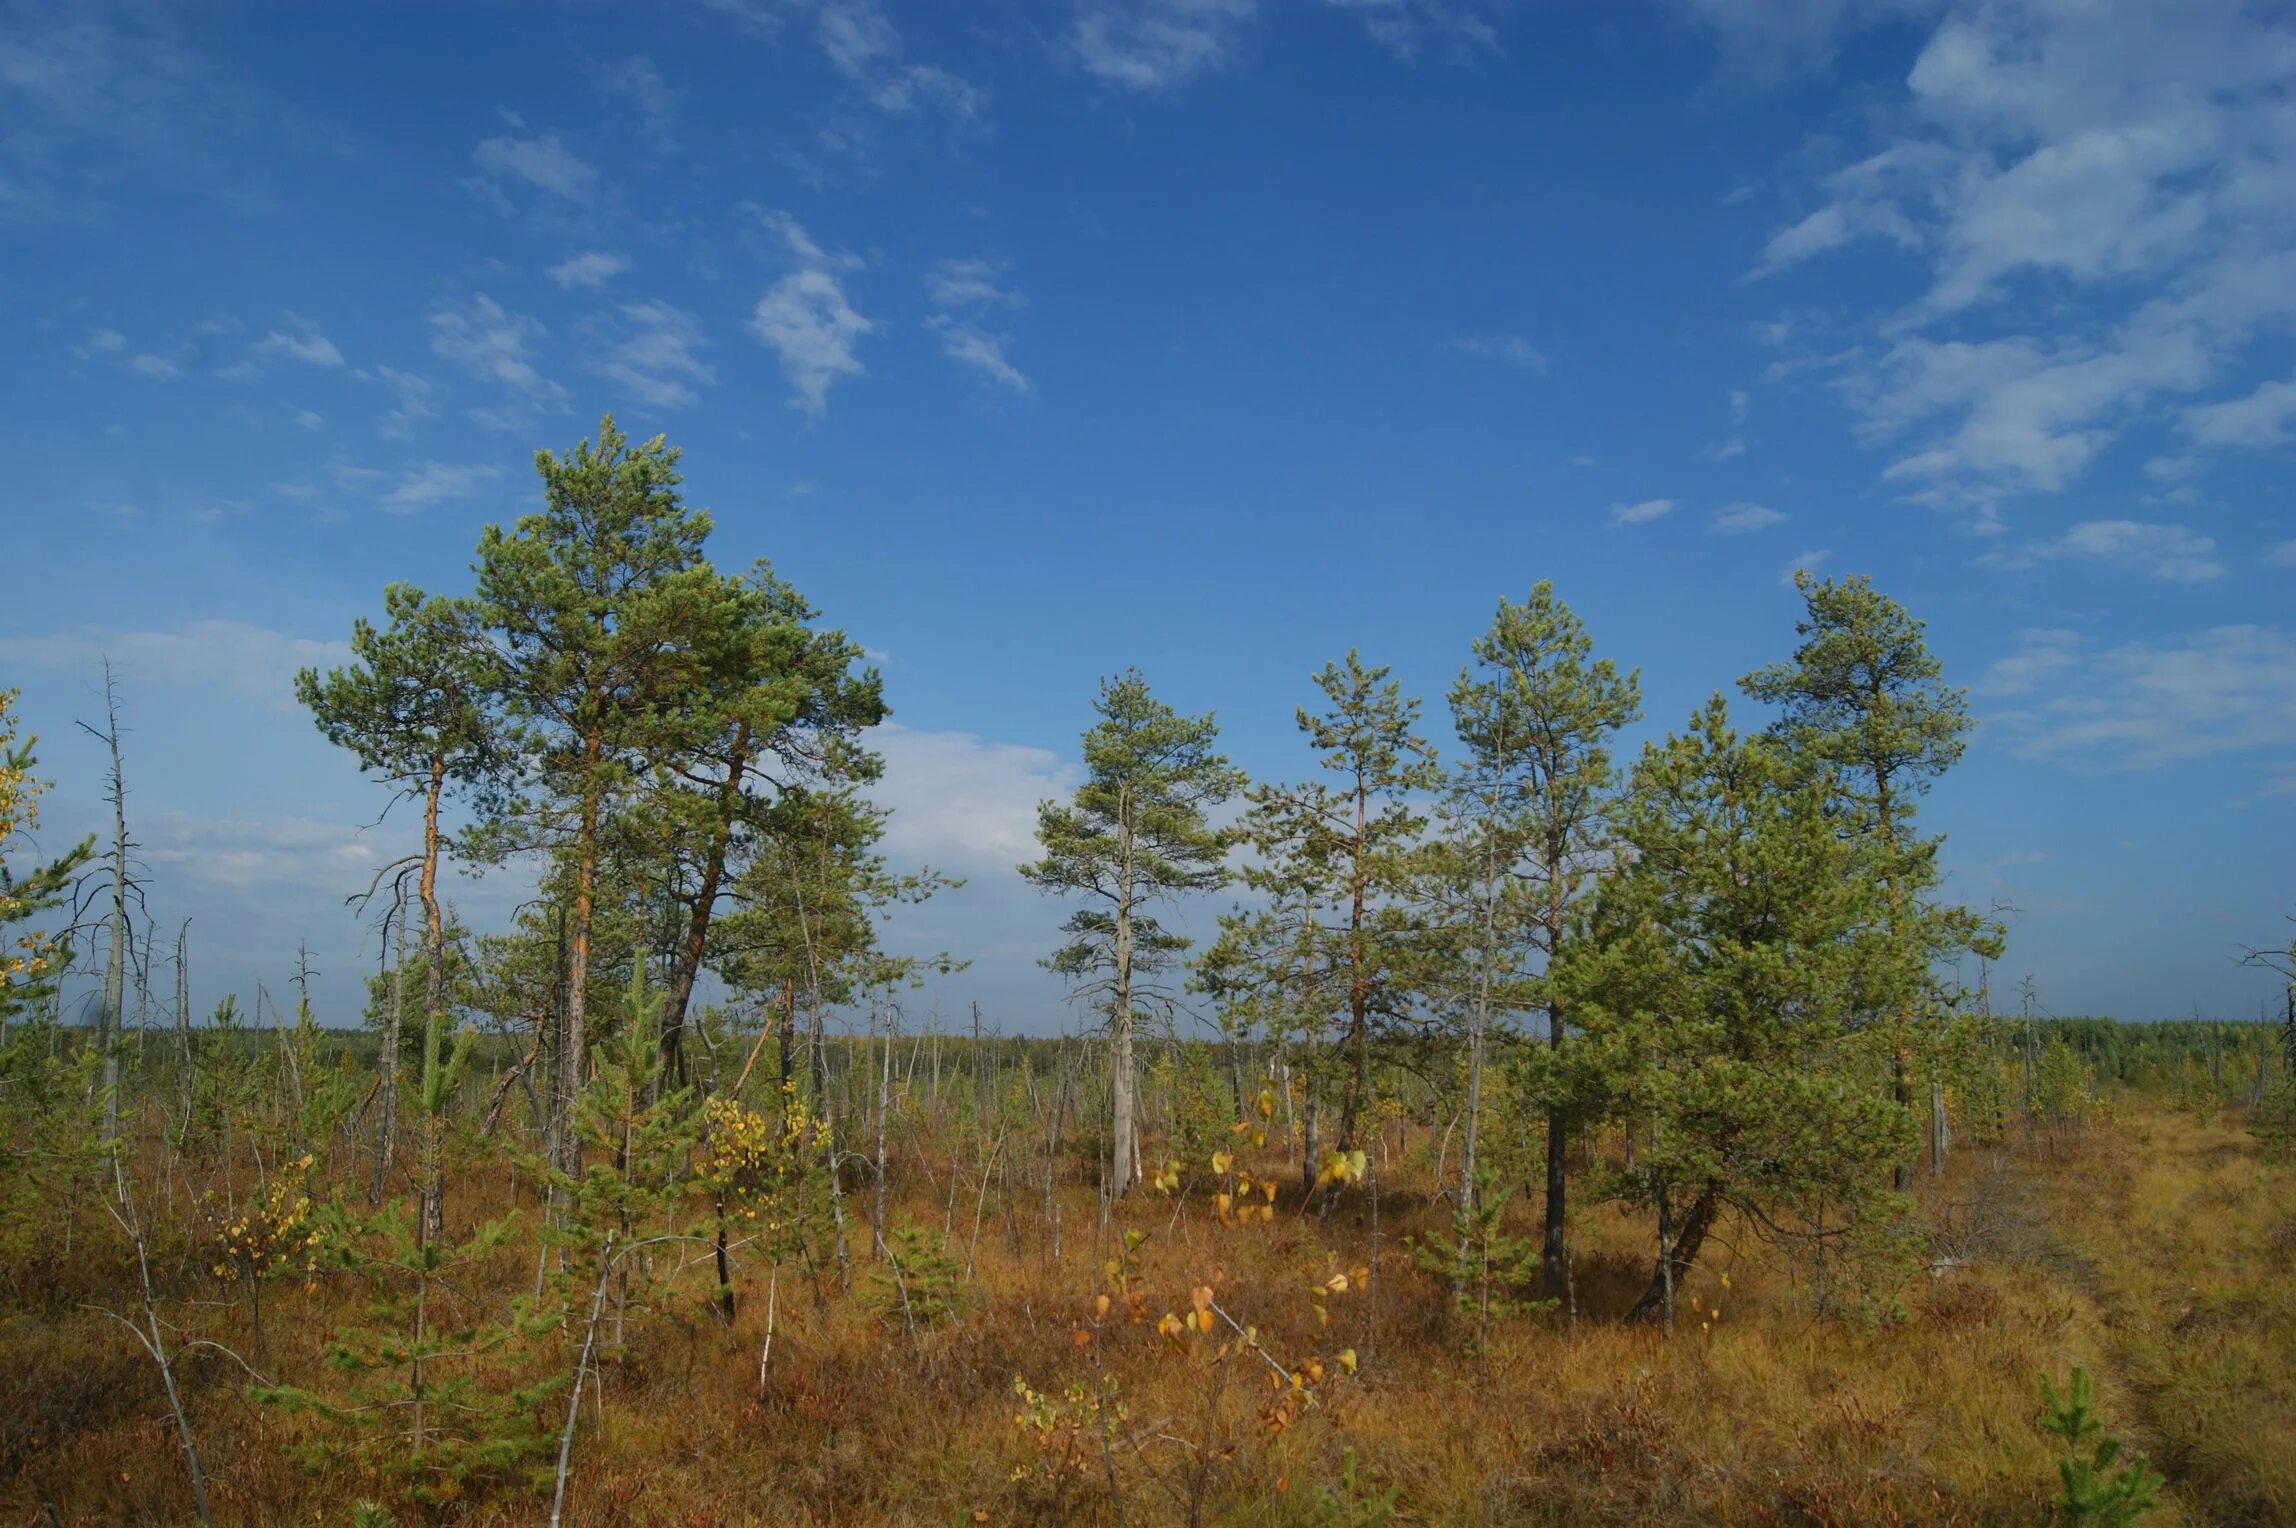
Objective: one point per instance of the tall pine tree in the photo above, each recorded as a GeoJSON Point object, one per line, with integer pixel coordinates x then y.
{"type": "Point", "coordinates": [1137, 832]}
{"type": "Point", "coordinates": [601, 607]}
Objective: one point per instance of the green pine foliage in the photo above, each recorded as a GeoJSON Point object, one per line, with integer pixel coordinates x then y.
{"type": "Point", "coordinates": [2097, 1489]}
{"type": "Point", "coordinates": [429, 1389]}
{"type": "Point", "coordinates": [1714, 992]}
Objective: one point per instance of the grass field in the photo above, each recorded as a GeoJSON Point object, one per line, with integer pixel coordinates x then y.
{"type": "Point", "coordinates": [2151, 1248]}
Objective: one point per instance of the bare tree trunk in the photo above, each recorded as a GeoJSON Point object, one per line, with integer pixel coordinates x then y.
{"type": "Point", "coordinates": [387, 1121]}
{"type": "Point", "coordinates": [433, 1187]}
{"type": "Point", "coordinates": [187, 1064]}
{"type": "Point", "coordinates": [111, 1021]}
{"type": "Point", "coordinates": [1124, 1167]}
{"type": "Point", "coordinates": [1479, 1021]}
{"type": "Point", "coordinates": [884, 1104]}
{"type": "Point", "coordinates": [578, 963]}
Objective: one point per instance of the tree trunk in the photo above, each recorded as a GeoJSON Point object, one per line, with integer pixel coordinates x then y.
{"type": "Point", "coordinates": [788, 1037]}
{"type": "Point", "coordinates": [1124, 1170]}
{"type": "Point", "coordinates": [1675, 1265]}
{"type": "Point", "coordinates": [578, 962]}
{"type": "Point", "coordinates": [700, 911]}
{"type": "Point", "coordinates": [186, 1062]}
{"type": "Point", "coordinates": [1478, 1021]}
{"type": "Point", "coordinates": [434, 977]}
{"type": "Point", "coordinates": [387, 1120]}
{"type": "Point", "coordinates": [1554, 1246]}
{"type": "Point", "coordinates": [1554, 1250]}
{"type": "Point", "coordinates": [1901, 1092]}
{"type": "Point", "coordinates": [111, 1023]}
{"type": "Point", "coordinates": [1358, 986]}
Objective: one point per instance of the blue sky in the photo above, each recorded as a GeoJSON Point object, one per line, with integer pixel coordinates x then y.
{"type": "Point", "coordinates": [1214, 336]}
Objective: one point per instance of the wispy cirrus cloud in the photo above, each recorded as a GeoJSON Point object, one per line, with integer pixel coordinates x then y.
{"type": "Point", "coordinates": [1158, 45]}
{"type": "Point", "coordinates": [1641, 513]}
{"type": "Point", "coordinates": [2175, 553]}
{"type": "Point", "coordinates": [1410, 29]}
{"type": "Point", "coordinates": [2146, 704]}
{"type": "Point", "coordinates": [653, 351]}
{"type": "Point", "coordinates": [542, 163]}
{"type": "Point", "coordinates": [426, 483]}
{"type": "Point", "coordinates": [1514, 349]}
{"type": "Point", "coordinates": [638, 82]}
{"type": "Point", "coordinates": [962, 291]}
{"type": "Point", "coordinates": [494, 345]}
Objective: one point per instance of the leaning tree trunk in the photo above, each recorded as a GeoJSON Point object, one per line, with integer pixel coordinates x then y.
{"type": "Point", "coordinates": [1674, 1266]}
{"type": "Point", "coordinates": [698, 916]}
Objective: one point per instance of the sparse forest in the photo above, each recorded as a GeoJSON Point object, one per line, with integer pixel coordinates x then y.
{"type": "Point", "coordinates": [1540, 1131]}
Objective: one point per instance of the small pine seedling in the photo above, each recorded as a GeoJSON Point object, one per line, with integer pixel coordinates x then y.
{"type": "Point", "coordinates": [2096, 1493]}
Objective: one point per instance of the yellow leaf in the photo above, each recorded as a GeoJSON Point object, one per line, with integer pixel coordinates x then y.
{"type": "Point", "coordinates": [1222, 1161]}
{"type": "Point", "coordinates": [1347, 1359]}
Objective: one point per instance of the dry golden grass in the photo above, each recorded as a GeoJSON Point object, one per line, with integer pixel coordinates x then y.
{"type": "Point", "coordinates": [2154, 1251]}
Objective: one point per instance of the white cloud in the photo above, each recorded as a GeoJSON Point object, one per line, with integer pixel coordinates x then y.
{"type": "Point", "coordinates": [865, 47]}
{"type": "Point", "coordinates": [2145, 704]}
{"type": "Point", "coordinates": [2283, 555]}
{"type": "Point", "coordinates": [263, 852]}
{"type": "Point", "coordinates": [799, 244]}
{"type": "Point", "coordinates": [960, 285]}
{"type": "Point", "coordinates": [588, 271]}
{"type": "Point", "coordinates": [1152, 45]}
{"type": "Point", "coordinates": [652, 349]}
{"type": "Point", "coordinates": [1737, 519]}
{"type": "Point", "coordinates": [310, 419]}
{"type": "Point", "coordinates": [102, 102]}
{"type": "Point", "coordinates": [1805, 562]}
{"type": "Point", "coordinates": [157, 367]}
{"type": "Point", "coordinates": [963, 802]}
{"type": "Point", "coordinates": [543, 162]}
{"type": "Point", "coordinates": [305, 344]}
{"type": "Point", "coordinates": [250, 661]}
{"type": "Point", "coordinates": [2041, 655]}
{"type": "Point", "coordinates": [413, 401]}
{"type": "Point", "coordinates": [969, 283]}
{"type": "Point", "coordinates": [2172, 552]}
{"type": "Point", "coordinates": [1642, 513]}
{"type": "Point", "coordinates": [978, 349]}
{"type": "Point", "coordinates": [806, 320]}
{"type": "Point", "coordinates": [2258, 421]}
{"type": "Point", "coordinates": [1761, 40]}
{"type": "Point", "coordinates": [1406, 28]}
{"type": "Point", "coordinates": [638, 80]}
{"type": "Point", "coordinates": [105, 341]}
{"type": "Point", "coordinates": [495, 346]}
{"type": "Point", "coordinates": [2098, 195]}
{"type": "Point", "coordinates": [427, 483]}
{"type": "Point", "coordinates": [1511, 348]}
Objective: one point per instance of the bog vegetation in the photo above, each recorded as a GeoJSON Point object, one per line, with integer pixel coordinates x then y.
{"type": "Point", "coordinates": [1544, 1135]}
